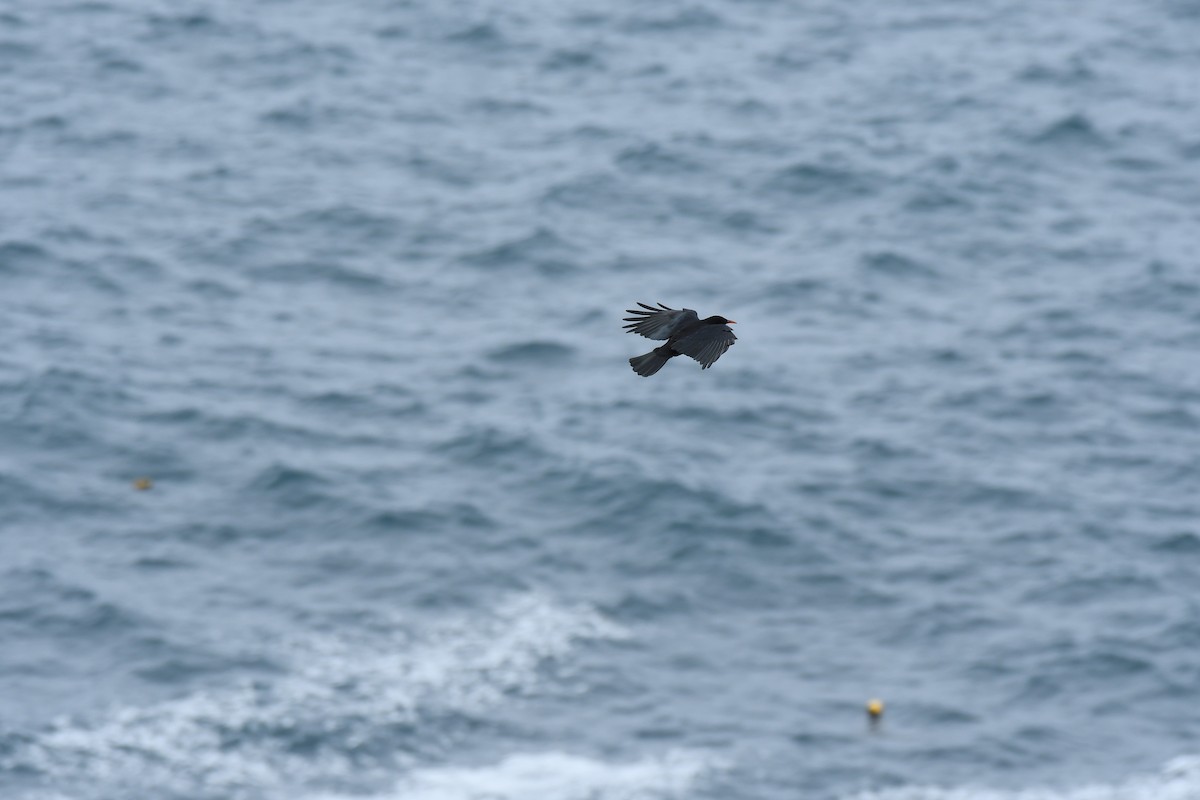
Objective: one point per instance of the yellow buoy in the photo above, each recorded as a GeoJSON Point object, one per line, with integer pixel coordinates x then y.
{"type": "Point", "coordinates": [142, 484]}
{"type": "Point", "coordinates": [875, 708]}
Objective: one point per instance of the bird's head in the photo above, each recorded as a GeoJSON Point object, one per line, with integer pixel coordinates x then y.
{"type": "Point", "coordinates": [717, 320]}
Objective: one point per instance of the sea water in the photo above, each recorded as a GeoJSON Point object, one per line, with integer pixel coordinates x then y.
{"type": "Point", "coordinates": [343, 282]}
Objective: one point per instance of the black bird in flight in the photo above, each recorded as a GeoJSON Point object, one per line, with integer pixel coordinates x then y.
{"type": "Point", "coordinates": [686, 334]}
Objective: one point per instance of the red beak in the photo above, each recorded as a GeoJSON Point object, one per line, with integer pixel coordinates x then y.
{"type": "Point", "coordinates": [731, 322]}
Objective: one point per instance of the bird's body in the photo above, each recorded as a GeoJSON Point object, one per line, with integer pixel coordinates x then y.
{"type": "Point", "coordinates": [687, 335]}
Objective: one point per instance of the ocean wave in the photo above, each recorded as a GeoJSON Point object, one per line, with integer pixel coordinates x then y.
{"type": "Point", "coordinates": [38, 602]}
{"type": "Point", "coordinates": [554, 775]}
{"type": "Point", "coordinates": [825, 182]}
{"type": "Point", "coordinates": [495, 107]}
{"type": "Point", "coordinates": [481, 35]}
{"type": "Point", "coordinates": [541, 248]}
{"type": "Point", "coordinates": [1184, 543]}
{"type": "Point", "coordinates": [670, 501]}
{"type": "Point", "coordinates": [294, 487]}
{"type": "Point", "coordinates": [489, 445]}
{"type": "Point", "coordinates": [346, 220]}
{"type": "Point", "coordinates": [1074, 132]}
{"type": "Point", "coordinates": [897, 265]}
{"type": "Point", "coordinates": [1158, 287]}
{"type": "Point", "coordinates": [1178, 780]}
{"type": "Point", "coordinates": [186, 23]}
{"type": "Point", "coordinates": [447, 518]}
{"type": "Point", "coordinates": [599, 192]}
{"type": "Point", "coordinates": [652, 158]}
{"type": "Point", "coordinates": [16, 52]}
{"type": "Point", "coordinates": [23, 258]}
{"type": "Point", "coordinates": [210, 425]}
{"type": "Point", "coordinates": [21, 496]}
{"type": "Point", "coordinates": [737, 222]}
{"type": "Point", "coordinates": [533, 353]}
{"type": "Point", "coordinates": [934, 199]}
{"type": "Point", "coordinates": [573, 59]}
{"type": "Point", "coordinates": [354, 709]}
{"type": "Point", "coordinates": [691, 19]}
{"type": "Point", "coordinates": [328, 272]}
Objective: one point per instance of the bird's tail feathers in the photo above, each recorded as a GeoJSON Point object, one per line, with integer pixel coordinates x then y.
{"type": "Point", "coordinates": [650, 363]}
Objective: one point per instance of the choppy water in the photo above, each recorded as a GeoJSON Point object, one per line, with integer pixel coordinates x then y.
{"type": "Point", "coordinates": [346, 281]}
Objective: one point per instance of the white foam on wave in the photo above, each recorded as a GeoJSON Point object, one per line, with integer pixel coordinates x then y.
{"type": "Point", "coordinates": [339, 695]}
{"type": "Point", "coordinates": [554, 776]}
{"type": "Point", "coordinates": [1178, 780]}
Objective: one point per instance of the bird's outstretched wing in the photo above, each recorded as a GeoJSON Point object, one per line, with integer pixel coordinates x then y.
{"type": "Point", "coordinates": [707, 344]}
{"type": "Point", "coordinates": [658, 323]}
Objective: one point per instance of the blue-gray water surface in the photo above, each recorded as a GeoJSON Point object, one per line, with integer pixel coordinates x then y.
{"type": "Point", "coordinates": [345, 282]}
